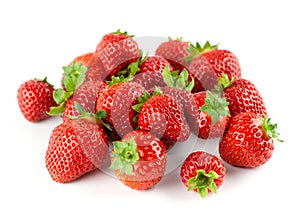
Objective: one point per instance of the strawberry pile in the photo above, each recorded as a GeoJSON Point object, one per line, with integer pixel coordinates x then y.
{"type": "Point", "coordinates": [118, 104]}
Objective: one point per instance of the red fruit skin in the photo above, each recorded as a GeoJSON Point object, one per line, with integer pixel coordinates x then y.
{"type": "Point", "coordinates": [174, 51]}
{"type": "Point", "coordinates": [200, 160]}
{"type": "Point", "coordinates": [117, 100]}
{"type": "Point", "coordinates": [95, 69]}
{"type": "Point", "coordinates": [150, 73]}
{"type": "Point", "coordinates": [207, 129]}
{"type": "Point", "coordinates": [207, 67]}
{"type": "Point", "coordinates": [117, 51]}
{"type": "Point", "coordinates": [162, 116]}
{"type": "Point", "coordinates": [243, 96]}
{"type": "Point", "coordinates": [35, 99]}
{"type": "Point", "coordinates": [245, 144]}
{"type": "Point", "coordinates": [86, 95]}
{"type": "Point", "coordinates": [73, 152]}
{"type": "Point", "coordinates": [150, 168]}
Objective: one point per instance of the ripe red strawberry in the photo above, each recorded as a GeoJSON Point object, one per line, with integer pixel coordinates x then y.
{"type": "Point", "coordinates": [150, 72]}
{"type": "Point", "coordinates": [35, 99]}
{"type": "Point", "coordinates": [248, 141]}
{"type": "Point", "coordinates": [86, 95]}
{"type": "Point", "coordinates": [174, 51]}
{"type": "Point", "coordinates": [117, 100]}
{"type": "Point", "coordinates": [202, 172]}
{"type": "Point", "coordinates": [139, 160]}
{"type": "Point", "coordinates": [83, 59]}
{"type": "Point", "coordinates": [73, 152]}
{"type": "Point", "coordinates": [162, 116]}
{"type": "Point", "coordinates": [207, 63]}
{"type": "Point", "coordinates": [117, 50]}
{"type": "Point", "coordinates": [243, 96]}
{"type": "Point", "coordinates": [213, 115]}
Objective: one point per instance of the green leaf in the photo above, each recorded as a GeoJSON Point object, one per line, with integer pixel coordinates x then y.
{"type": "Point", "coordinates": [270, 129]}
{"type": "Point", "coordinates": [180, 81]}
{"type": "Point", "coordinates": [215, 106]}
{"type": "Point", "coordinates": [197, 49]}
{"type": "Point", "coordinates": [57, 110]}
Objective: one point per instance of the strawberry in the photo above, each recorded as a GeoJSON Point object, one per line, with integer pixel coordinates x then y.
{"type": "Point", "coordinates": [242, 95]}
{"type": "Point", "coordinates": [73, 152]}
{"type": "Point", "coordinates": [207, 63]}
{"type": "Point", "coordinates": [162, 116]}
{"type": "Point", "coordinates": [117, 100]}
{"type": "Point", "coordinates": [213, 114]}
{"type": "Point", "coordinates": [248, 141]}
{"type": "Point", "coordinates": [174, 51]}
{"type": "Point", "coordinates": [139, 160]}
{"type": "Point", "coordinates": [35, 99]}
{"type": "Point", "coordinates": [150, 72]}
{"type": "Point", "coordinates": [202, 172]}
{"type": "Point", "coordinates": [86, 95]}
{"type": "Point", "coordinates": [117, 50]}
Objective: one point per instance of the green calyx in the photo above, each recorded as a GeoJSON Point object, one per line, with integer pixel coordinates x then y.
{"type": "Point", "coordinates": [125, 155]}
{"type": "Point", "coordinates": [180, 81]}
{"type": "Point", "coordinates": [223, 83]}
{"type": "Point", "coordinates": [124, 33]}
{"type": "Point", "coordinates": [215, 106]}
{"type": "Point", "coordinates": [177, 38]}
{"type": "Point", "coordinates": [74, 76]}
{"type": "Point", "coordinates": [270, 129]}
{"type": "Point", "coordinates": [83, 114]}
{"type": "Point", "coordinates": [203, 182]}
{"type": "Point", "coordinates": [196, 50]}
{"type": "Point", "coordinates": [44, 80]}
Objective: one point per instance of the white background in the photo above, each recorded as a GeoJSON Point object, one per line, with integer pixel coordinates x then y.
{"type": "Point", "coordinates": [38, 37]}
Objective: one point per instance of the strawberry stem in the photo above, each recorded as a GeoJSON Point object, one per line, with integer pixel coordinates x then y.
{"type": "Point", "coordinates": [44, 80]}
{"type": "Point", "coordinates": [125, 155]}
{"type": "Point", "coordinates": [270, 129]}
{"type": "Point", "coordinates": [196, 50]}
{"type": "Point", "coordinates": [180, 81]}
{"type": "Point", "coordinates": [203, 182]}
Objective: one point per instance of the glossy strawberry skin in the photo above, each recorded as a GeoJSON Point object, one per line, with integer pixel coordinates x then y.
{"type": "Point", "coordinates": [245, 144]}
{"type": "Point", "coordinates": [117, 51]}
{"type": "Point", "coordinates": [150, 73]}
{"type": "Point", "coordinates": [86, 95]}
{"type": "Point", "coordinates": [162, 116]}
{"type": "Point", "coordinates": [207, 67]}
{"type": "Point", "coordinates": [72, 152]}
{"type": "Point", "coordinates": [150, 168]}
{"type": "Point", "coordinates": [243, 96]}
{"type": "Point", "coordinates": [207, 129]}
{"type": "Point", "coordinates": [174, 51]}
{"type": "Point", "coordinates": [117, 101]}
{"type": "Point", "coordinates": [35, 99]}
{"type": "Point", "coordinates": [200, 160]}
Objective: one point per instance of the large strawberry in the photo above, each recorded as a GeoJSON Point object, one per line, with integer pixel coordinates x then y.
{"type": "Point", "coordinates": [175, 51]}
{"type": "Point", "coordinates": [73, 152]}
{"type": "Point", "coordinates": [213, 114]}
{"type": "Point", "coordinates": [117, 100]}
{"type": "Point", "coordinates": [35, 99]}
{"type": "Point", "coordinates": [202, 172]}
{"type": "Point", "coordinates": [139, 160]}
{"type": "Point", "coordinates": [162, 116]}
{"type": "Point", "coordinates": [248, 141]}
{"type": "Point", "coordinates": [207, 63]}
{"type": "Point", "coordinates": [117, 50]}
{"type": "Point", "coordinates": [242, 95]}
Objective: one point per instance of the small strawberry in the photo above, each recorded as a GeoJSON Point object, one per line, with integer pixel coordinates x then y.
{"type": "Point", "coordinates": [150, 71]}
{"type": "Point", "coordinates": [35, 99]}
{"type": "Point", "coordinates": [248, 141]}
{"type": "Point", "coordinates": [162, 116]}
{"type": "Point", "coordinates": [207, 63]}
{"type": "Point", "coordinates": [117, 100]}
{"type": "Point", "coordinates": [139, 160]}
{"type": "Point", "coordinates": [73, 152]}
{"type": "Point", "coordinates": [174, 51]}
{"type": "Point", "coordinates": [86, 95]}
{"type": "Point", "coordinates": [213, 114]}
{"type": "Point", "coordinates": [242, 95]}
{"type": "Point", "coordinates": [202, 172]}
{"type": "Point", "coordinates": [117, 50]}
